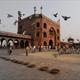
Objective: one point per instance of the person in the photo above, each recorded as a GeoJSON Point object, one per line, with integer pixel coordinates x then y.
{"type": "Point", "coordinates": [39, 48]}
{"type": "Point", "coordinates": [26, 51]}
{"type": "Point", "coordinates": [10, 50]}
{"type": "Point", "coordinates": [33, 49]}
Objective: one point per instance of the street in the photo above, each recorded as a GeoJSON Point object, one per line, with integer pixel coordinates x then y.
{"type": "Point", "coordinates": [12, 71]}
{"type": "Point", "coordinates": [69, 66]}
{"type": "Point", "coordinates": [15, 51]}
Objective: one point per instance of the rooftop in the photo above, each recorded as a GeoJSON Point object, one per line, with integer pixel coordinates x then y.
{"type": "Point", "coordinates": [10, 34]}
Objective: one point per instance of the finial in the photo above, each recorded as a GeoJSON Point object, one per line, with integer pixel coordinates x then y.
{"type": "Point", "coordinates": [19, 15]}
{"type": "Point", "coordinates": [34, 9]}
{"type": "Point", "coordinates": [41, 9]}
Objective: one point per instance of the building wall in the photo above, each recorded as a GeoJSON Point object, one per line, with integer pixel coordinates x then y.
{"type": "Point", "coordinates": [35, 24]}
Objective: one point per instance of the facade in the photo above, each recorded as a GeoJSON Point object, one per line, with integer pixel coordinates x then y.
{"type": "Point", "coordinates": [65, 45]}
{"type": "Point", "coordinates": [15, 40]}
{"type": "Point", "coordinates": [43, 31]}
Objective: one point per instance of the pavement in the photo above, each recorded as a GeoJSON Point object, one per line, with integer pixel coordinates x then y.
{"type": "Point", "coordinates": [12, 71]}
{"type": "Point", "coordinates": [69, 65]}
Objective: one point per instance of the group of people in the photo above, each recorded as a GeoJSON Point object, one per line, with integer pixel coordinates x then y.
{"type": "Point", "coordinates": [33, 49]}
{"type": "Point", "coordinates": [69, 51]}
{"type": "Point", "coordinates": [10, 50]}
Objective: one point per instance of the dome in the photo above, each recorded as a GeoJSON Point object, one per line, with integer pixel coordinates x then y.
{"type": "Point", "coordinates": [70, 39]}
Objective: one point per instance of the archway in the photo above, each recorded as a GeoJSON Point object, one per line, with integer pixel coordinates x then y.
{"type": "Point", "coordinates": [22, 44]}
{"type": "Point", "coordinates": [52, 34]}
{"type": "Point", "coordinates": [51, 31]}
{"type": "Point", "coordinates": [3, 43]}
{"type": "Point", "coordinates": [26, 43]}
{"type": "Point", "coordinates": [11, 42]}
{"type": "Point", "coordinates": [50, 44]}
{"type": "Point", "coordinates": [45, 43]}
{"type": "Point", "coordinates": [16, 43]}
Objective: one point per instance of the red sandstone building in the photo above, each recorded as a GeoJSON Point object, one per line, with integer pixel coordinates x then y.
{"type": "Point", "coordinates": [43, 31]}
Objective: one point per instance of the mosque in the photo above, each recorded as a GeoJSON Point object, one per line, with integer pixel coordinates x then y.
{"type": "Point", "coordinates": [43, 30]}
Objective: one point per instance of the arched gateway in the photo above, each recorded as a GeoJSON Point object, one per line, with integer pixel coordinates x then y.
{"type": "Point", "coordinates": [52, 40]}
{"type": "Point", "coordinates": [41, 28]}
{"type": "Point", "coordinates": [51, 44]}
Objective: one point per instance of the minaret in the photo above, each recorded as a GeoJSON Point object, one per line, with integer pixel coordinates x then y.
{"type": "Point", "coordinates": [34, 9]}
{"type": "Point", "coordinates": [19, 16]}
{"type": "Point", "coordinates": [41, 9]}
{"type": "Point", "coordinates": [19, 24]}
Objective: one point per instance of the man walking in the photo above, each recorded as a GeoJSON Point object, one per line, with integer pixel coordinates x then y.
{"type": "Point", "coordinates": [10, 50]}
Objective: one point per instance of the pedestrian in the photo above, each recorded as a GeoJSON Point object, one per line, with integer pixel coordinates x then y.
{"type": "Point", "coordinates": [33, 49]}
{"type": "Point", "coordinates": [26, 51]}
{"type": "Point", "coordinates": [39, 48]}
{"type": "Point", "coordinates": [10, 50]}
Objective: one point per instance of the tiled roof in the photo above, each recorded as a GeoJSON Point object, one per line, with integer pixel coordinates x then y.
{"type": "Point", "coordinates": [10, 34]}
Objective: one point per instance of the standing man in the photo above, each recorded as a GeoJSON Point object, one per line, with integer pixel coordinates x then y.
{"type": "Point", "coordinates": [26, 51]}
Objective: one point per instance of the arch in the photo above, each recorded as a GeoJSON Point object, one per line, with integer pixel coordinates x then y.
{"type": "Point", "coordinates": [45, 43]}
{"type": "Point", "coordinates": [26, 43]}
{"type": "Point", "coordinates": [22, 44]}
{"type": "Point", "coordinates": [45, 25]}
{"type": "Point", "coordinates": [3, 43]}
{"type": "Point", "coordinates": [16, 43]}
{"type": "Point", "coordinates": [52, 33]}
{"type": "Point", "coordinates": [11, 42]}
{"type": "Point", "coordinates": [50, 44]}
{"type": "Point", "coordinates": [44, 34]}
{"type": "Point", "coordinates": [38, 24]}
{"type": "Point", "coordinates": [37, 34]}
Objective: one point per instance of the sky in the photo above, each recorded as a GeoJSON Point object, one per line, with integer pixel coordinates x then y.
{"type": "Point", "coordinates": [69, 28]}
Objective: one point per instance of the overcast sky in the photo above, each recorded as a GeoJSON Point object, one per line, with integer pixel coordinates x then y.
{"type": "Point", "coordinates": [69, 28]}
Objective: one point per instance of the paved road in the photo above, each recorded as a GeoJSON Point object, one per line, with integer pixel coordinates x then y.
{"type": "Point", "coordinates": [12, 71]}
{"type": "Point", "coordinates": [15, 51]}
{"type": "Point", "coordinates": [69, 67]}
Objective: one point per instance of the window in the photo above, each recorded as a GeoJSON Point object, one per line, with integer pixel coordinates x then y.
{"type": "Point", "coordinates": [45, 43]}
{"type": "Point", "coordinates": [37, 34]}
{"type": "Point", "coordinates": [45, 25]}
{"type": "Point", "coordinates": [58, 31]}
{"type": "Point", "coordinates": [51, 31]}
{"type": "Point", "coordinates": [38, 24]}
{"type": "Point", "coordinates": [44, 34]}
{"type": "Point", "coordinates": [58, 44]}
{"type": "Point", "coordinates": [58, 37]}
